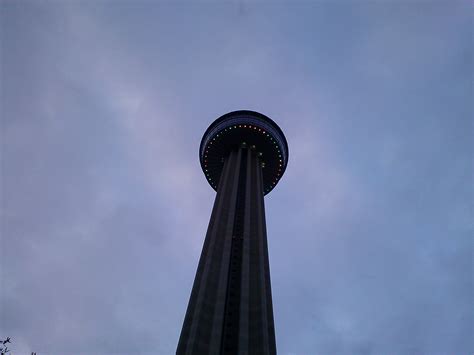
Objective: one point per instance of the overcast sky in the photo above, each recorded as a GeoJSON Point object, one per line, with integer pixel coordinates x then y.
{"type": "Point", "coordinates": [105, 208]}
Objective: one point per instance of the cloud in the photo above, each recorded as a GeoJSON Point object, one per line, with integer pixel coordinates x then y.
{"type": "Point", "coordinates": [104, 208]}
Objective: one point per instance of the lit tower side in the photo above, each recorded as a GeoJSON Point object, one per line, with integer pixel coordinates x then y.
{"type": "Point", "coordinates": [243, 155]}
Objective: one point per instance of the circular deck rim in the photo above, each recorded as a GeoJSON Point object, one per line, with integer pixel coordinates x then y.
{"type": "Point", "coordinates": [219, 124]}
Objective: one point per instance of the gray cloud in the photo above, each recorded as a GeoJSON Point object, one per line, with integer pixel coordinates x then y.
{"type": "Point", "coordinates": [104, 208]}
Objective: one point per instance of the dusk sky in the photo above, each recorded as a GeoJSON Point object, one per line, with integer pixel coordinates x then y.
{"type": "Point", "coordinates": [104, 207]}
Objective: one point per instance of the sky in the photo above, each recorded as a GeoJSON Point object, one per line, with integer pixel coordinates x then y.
{"type": "Point", "coordinates": [104, 207]}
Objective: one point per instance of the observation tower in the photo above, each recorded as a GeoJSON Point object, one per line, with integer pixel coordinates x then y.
{"type": "Point", "coordinates": [243, 155]}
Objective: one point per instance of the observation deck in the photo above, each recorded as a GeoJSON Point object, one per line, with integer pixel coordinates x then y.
{"type": "Point", "coordinates": [244, 129]}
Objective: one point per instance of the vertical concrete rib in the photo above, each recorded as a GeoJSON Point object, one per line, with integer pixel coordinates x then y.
{"type": "Point", "coordinates": [268, 288]}
{"type": "Point", "coordinates": [218, 316]}
{"type": "Point", "coordinates": [190, 342]}
{"type": "Point", "coordinates": [243, 348]}
{"type": "Point", "coordinates": [261, 266]}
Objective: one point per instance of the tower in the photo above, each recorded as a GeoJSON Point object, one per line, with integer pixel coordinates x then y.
{"type": "Point", "coordinates": [243, 155]}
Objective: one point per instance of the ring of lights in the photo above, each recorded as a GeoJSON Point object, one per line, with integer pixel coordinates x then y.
{"type": "Point", "coordinates": [250, 128]}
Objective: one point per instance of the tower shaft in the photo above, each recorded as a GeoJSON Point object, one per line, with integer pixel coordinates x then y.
{"type": "Point", "coordinates": [230, 309]}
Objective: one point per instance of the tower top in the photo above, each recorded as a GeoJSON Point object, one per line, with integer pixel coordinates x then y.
{"type": "Point", "coordinates": [244, 129]}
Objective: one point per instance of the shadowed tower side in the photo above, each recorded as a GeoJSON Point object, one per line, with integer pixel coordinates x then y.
{"type": "Point", "coordinates": [243, 155]}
